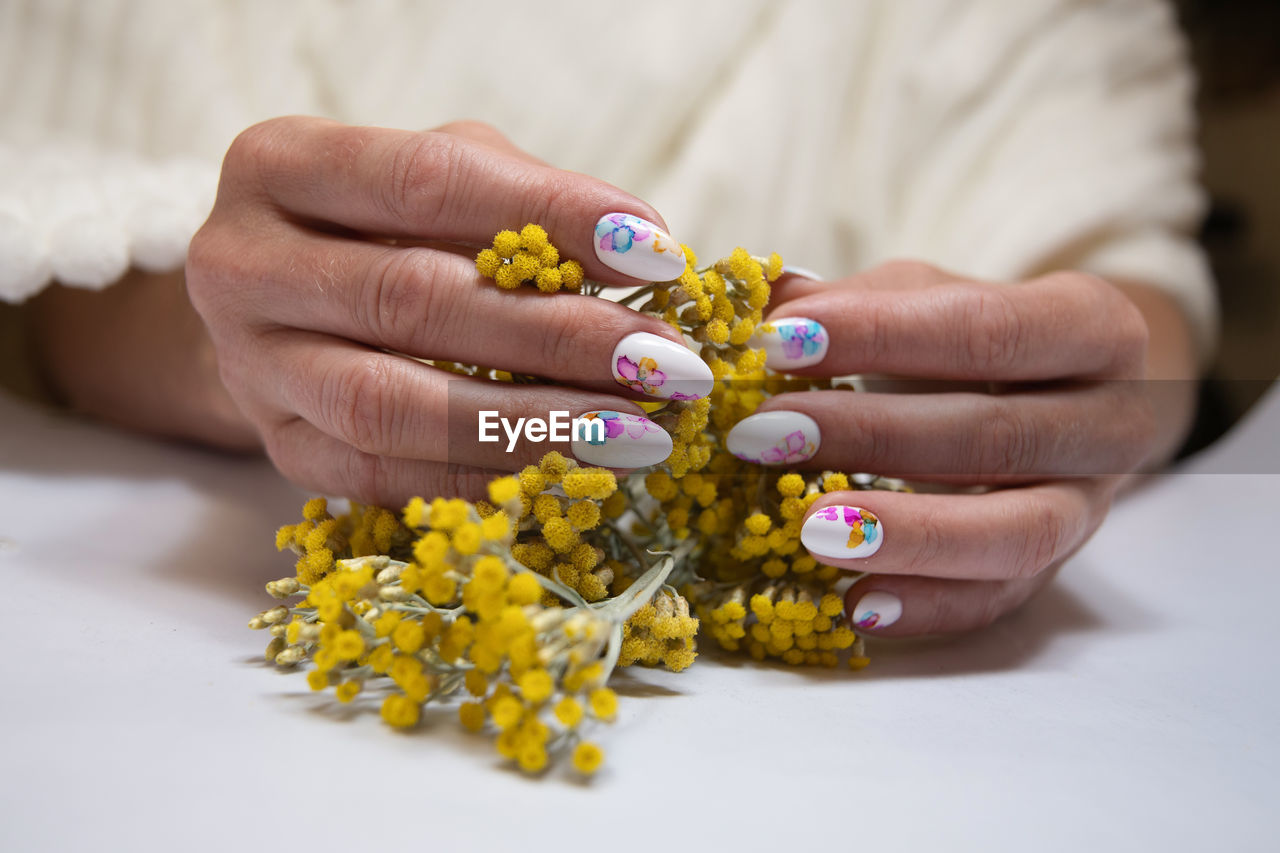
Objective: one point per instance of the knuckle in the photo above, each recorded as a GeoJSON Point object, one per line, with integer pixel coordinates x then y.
{"type": "Point", "coordinates": [359, 403]}
{"type": "Point", "coordinates": [1037, 542]}
{"type": "Point", "coordinates": [396, 298]}
{"type": "Point", "coordinates": [1006, 444]}
{"type": "Point", "coordinates": [258, 150]}
{"type": "Point", "coordinates": [423, 179]}
{"type": "Point", "coordinates": [566, 345]}
{"type": "Point", "coordinates": [993, 331]}
{"type": "Point", "coordinates": [365, 476]}
{"type": "Point", "coordinates": [932, 545]}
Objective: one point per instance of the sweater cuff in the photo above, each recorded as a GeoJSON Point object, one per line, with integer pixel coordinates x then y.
{"type": "Point", "coordinates": [83, 217]}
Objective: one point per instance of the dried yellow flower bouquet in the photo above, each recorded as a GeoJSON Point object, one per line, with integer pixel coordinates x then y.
{"type": "Point", "coordinates": [524, 604]}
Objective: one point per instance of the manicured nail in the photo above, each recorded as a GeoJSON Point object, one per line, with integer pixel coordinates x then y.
{"type": "Point", "coordinates": [788, 269]}
{"type": "Point", "coordinates": [792, 342]}
{"type": "Point", "coordinates": [842, 532]}
{"type": "Point", "coordinates": [619, 440]}
{"type": "Point", "coordinates": [775, 438]}
{"type": "Point", "coordinates": [661, 368]}
{"type": "Point", "coordinates": [876, 610]}
{"type": "Point", "coordinates": [638, 248]}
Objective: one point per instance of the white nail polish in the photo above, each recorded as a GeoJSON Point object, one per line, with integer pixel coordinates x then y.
{"type": "Point", "coordinates": [876, 610]}
{"type": "Point", "coordinates": [659, 367]}
{"type": "Point", "coordinates": [791, 342]}
{"type": "Point", "coordinates": [638, 248]}
{"type": "Point", "coordinates": [788, 269]}
{"type": "Point", "coordinates": [775, 438]}
{"type": "Point", "coordinates": [842, 533]}
{"type": "Point", "coordinates": [619, 440]}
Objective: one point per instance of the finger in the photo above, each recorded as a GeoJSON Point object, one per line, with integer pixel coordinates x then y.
{"type": "Point", "coordinates": [322, 463]}
{"type": "Point", "coordinates": [445, 187]}
{"type": "Point", "coordinates": [1095, 429]}
{"type": "Point", "coordinates": [888, 606]}
{"type": "Point", "coordinates": [999, 535]}
{"type": "Point", "coordinates": [1060, 326]}
{"type": "Point", "coordinates": [434, 304]}
{"type": "Point", "coordinates": [892, 275]}
{"type": "Point", "coordinates": [388, 405]}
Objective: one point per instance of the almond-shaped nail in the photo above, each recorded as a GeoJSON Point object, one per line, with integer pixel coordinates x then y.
{"type": "Point", "coordinates": [876, 609]}
{"type": "Point", "coordinates": [660, 367]}
{"type": "Point", "coordinates": [619, 440]}
{"type": "Point", "coordinates": [775, 438]}
{"type": "Point", "coordinates": [791, 342]}
{"type": "Point", "coordinates": [638, 248]}
{"type": "Point", "coordinates": [842, 532]}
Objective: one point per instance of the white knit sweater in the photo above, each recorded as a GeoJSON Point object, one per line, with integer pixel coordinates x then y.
{"type": "Point", "coordinates": [997, 138]}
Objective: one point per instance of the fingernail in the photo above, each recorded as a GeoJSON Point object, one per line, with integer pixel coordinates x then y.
{"type": "Point", "coordinates": [619, 440]}
{"type": "Point", "coordinates": [775, 438]}
{"type": "Point", "coordinates": [788, 269]}
{"type": "Point", "coordinates": [637, 247]}
{"type": "Point", "coordinates": [842, 532]}
{"type": "Point", "coordinates": [661, 368]}
{"type": "Point", "coordinates": [792, 342]}
{"type": "Point", "coordinates": [876, 610]}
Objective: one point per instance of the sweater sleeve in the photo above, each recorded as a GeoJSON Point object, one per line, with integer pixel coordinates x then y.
{"type": "Point", "coordinates": [113, 116]}
{"type": "Point", "coordinates": [1069, 146]}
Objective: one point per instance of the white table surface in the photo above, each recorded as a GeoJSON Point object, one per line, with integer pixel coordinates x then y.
{"type": "Point", "coordinates": [1133, 706]}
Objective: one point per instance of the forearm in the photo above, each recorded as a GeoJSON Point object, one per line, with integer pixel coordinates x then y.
{"type": "Point", "coordinates": [136, 354]}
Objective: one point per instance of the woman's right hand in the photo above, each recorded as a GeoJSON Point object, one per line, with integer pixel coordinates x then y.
{"type": "Point", "coordinates": [332, 250]}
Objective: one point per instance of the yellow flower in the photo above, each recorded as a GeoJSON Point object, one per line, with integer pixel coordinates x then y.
{"type": "Point", "coordinates": [571, 274]}
{"type": "Point", "coordinates": [587, 758]}
{"type": "Point", "coordinates": [569, 712]}
{"type": "Point", "coordinates": [488, 263]}
{"type": "Point", "coordinates": [466, 538]}
{"type": "Point", "coordinates": [504, 489]}
{"type": "Point", "coordinates": [560, 535]}
{"type": "Point", "coordinates": [533, 238]}
{"type": "Point", "coordinates": [496, 527]}
{"type": "Point", "coordinates": [409, 637]}
{"type": "Point", "coordinates": [584, 515]}
{"type": "Point", "coordinates": [506, 243]}
{"type": "Point", "coordinates": [604, 703]}
{"type": "Point", "coordinates": [400, 711]}
{"type": "Point", "coordinates": [317, 680]}
{"type": "Point", "coordinates": [596, 483]}
{"type": "Point", "coordinates": [471, 714]}
{"type": "Point", "coordinates": [475, 682]}
{"type": "Point", "coordinates": [315, 509]}
{"type": "Point", "coordinates": [506, 712]}
{"type": "Point", "coordinates": [532, 757]}
{"type": "Point", "coordinates": [348, 645]}
{"type": "Point", "coordinates": [439, 589]}
{"type": "Point", "coordinates": [347, 690]}
{"type": "Point", "coordinates": [524, 589]}
{"type": "Point", "coordinates": [536, 686]}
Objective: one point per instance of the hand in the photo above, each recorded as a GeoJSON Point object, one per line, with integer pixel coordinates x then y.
{"type": "Point", "coordinates": [1062, 413]}
{"type": "Point", "coordinates": [334, 252]}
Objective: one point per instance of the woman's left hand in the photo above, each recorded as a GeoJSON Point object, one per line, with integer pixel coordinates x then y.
{"type": "Point", "coordinates": [1042, 402]}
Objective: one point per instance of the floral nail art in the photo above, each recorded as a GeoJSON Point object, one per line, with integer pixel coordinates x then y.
{"type": "Point", "coordinates": [774, 438]}
{"type": "Point", "coordinates": [617, 425]}
{"type": "Point", "coordinates": [792, 342]}
{"type": "Point", "coordinates": [660, 367]}
{"type": "Point", "coordinates": [843, 532]}
{"type": "Point", "coordinates": [638, 248]}
{"type": "Point", "coordinates": [793, 448]}
{"type": "Point", "coordinates": [644, 376]}
{"type": "Point", "coordinates": [620, 441]}
{"type": "Point", "coordinates": [618, 232]}
{"type": "Point", "coordinates": [877, 609]}
{"type": "Point", "coordinates": [863, 524]}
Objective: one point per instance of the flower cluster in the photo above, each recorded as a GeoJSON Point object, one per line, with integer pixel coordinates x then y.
{"type": "Point", "coordinates": [522, 605]}
{"type": "Point", "coordinates": [528, 256]}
